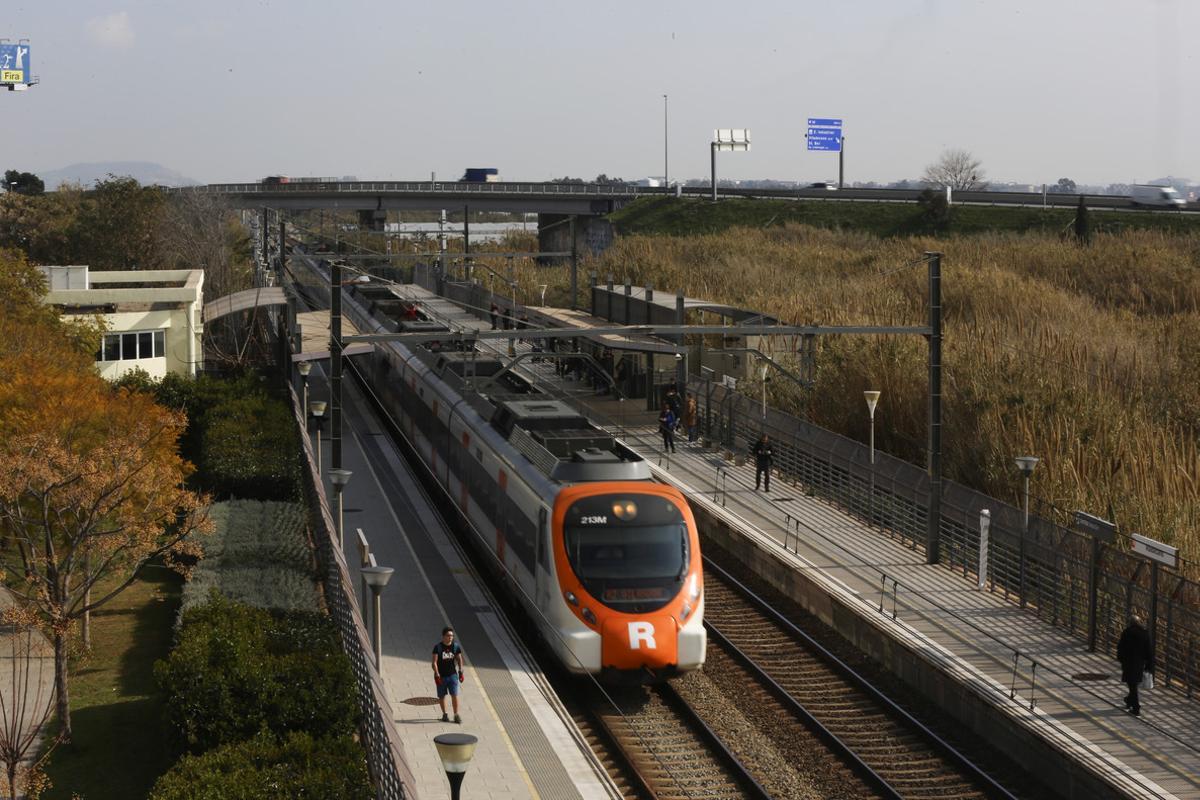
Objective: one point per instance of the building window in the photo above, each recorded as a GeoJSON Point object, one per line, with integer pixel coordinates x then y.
{"type": "Point", "coordinates": [132, 345]}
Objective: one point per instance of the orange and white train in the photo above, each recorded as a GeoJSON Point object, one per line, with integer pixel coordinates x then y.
{"type": "Point", "coordinates": [604, 560]}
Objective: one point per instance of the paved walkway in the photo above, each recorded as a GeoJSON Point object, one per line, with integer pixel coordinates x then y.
{"type": "Point", "coordinates": [528, 748]}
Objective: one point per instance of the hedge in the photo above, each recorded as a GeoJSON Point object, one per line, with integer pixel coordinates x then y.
{"type": "Point", "coordinates": [238, 670]}
{"type": "Point", "coordinates": [264, 768]}
{"type": "Point", "coordinates": [258, 553]}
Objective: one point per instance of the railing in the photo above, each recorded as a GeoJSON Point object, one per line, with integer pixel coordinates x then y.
{"type": "Point", "coordinates": [389, 770]}
{"type": "Point", "coordinates": [1043, 567]}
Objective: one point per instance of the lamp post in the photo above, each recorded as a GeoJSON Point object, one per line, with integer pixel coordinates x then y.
{"type": "Point", "coordinates": [364, 560]}
{"type": "Point", "coordinates": [339, 478]}
{"type": "Point", "coordinates": [455, 750]}
{"type": "Point", "coordinates": [872, 397]}
{"type": "Point", "coordinates": [377, 577]}
{"type": "Point", "coordinates": [304, 367]}
{"type": "Point", "coordinates": [317, 409]}
{"type": "Point", "coordinates": [1026, 464]}
{"type": "Point", "coordinates": [985, 523]}
{"type": "Point", "coordinates": [666, 148]}
{"type": "Point", "coordinates": [763, 375]}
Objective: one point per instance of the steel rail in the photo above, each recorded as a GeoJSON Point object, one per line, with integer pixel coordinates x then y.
{"type": "Point", "coordinates": [945, 748]}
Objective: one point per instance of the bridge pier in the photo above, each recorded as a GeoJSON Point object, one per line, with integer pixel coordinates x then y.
{"type": "Point", "coordinates": [592, 234]}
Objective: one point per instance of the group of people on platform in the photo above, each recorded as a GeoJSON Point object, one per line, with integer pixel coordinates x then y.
{"type": "Point", "coordinates": [678, 413]}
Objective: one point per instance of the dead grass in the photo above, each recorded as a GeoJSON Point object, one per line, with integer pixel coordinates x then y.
{"type": "Point", "coordinates": [1086, 357]}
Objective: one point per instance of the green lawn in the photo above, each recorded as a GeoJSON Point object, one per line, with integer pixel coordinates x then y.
{"type": "Point", "coordinates": [690, 216]}
{"type": "Point", "coordinates": [119, 749]}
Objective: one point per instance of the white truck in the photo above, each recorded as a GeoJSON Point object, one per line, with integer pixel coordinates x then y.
{"type": "Point", "coordinates": [1155, 197]}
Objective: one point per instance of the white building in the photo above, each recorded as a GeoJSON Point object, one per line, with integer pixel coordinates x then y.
{"type": "Point", "coordinates": [153, 317]}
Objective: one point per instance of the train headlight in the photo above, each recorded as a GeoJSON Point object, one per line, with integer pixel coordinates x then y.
{"type": "Point", "coordinates": [589, 616]}
{"type": "Point", "coordinates": [625, 510]}
{"type": "Point", "coordinates": [571, 598]}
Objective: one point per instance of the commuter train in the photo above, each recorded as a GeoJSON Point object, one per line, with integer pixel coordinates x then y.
{"type": "Point", "coordinates": [604, 560]}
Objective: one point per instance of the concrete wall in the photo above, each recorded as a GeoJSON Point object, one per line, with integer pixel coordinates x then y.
{"type": "Point", "coordinates": [593, 234]}
{"type": "Point", "coordinates": [1014, 734]}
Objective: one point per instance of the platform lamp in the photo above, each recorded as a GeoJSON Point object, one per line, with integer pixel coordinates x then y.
{"type": "Point", "coordinates": [377, 577]}
{"type": "Point", "coordinates": [985, 523]}
{"type": "Point", "coordinates": [339, 478]}
{"type": "Point", "coordinates": [1026, 464]}
{"type": "Point", "coordinates": [317, 409]}
{"type": "Point", "coordinates": [304, 367]}
{"type": "Point", "coordinates": [455, 750]}
{"type": "Point", "coordinates": [872, 398]}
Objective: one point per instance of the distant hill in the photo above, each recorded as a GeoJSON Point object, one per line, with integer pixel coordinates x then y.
{"type": "Point", "coordinates": [145, 172]}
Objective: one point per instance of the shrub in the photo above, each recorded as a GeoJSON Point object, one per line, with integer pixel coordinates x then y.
{"type": "Point", "coordinates": [266, 769]}
{"type": "Point", "coordinates": [239, 670]}
{"type": "Point", "coordinates": [248, 449]}
{"type": "Point", "coordinates": [257, 554]}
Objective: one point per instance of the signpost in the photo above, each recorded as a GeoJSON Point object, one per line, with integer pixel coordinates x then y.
{"type": "Point", "coordinates": [825, 134]}
{"type": "Point", "coordinates": [726, 139]}
{"type": "Point", "coordinates": [14, 66]}
{"type": "Point", "coordinates": [1102, 532]}
{"type": "Point", "coordinates": [1158, 554]}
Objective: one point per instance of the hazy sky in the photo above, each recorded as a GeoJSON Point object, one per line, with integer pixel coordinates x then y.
{"type": "Point", "coordinates": [1096, 90]}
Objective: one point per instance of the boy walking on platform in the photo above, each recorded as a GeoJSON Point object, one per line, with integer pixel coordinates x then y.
{"type": "Point", "coordinates": [448, 671]}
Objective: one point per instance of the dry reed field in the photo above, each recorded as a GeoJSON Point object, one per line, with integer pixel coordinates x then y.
{"type": "Point", "coordinates": [1087, 357]}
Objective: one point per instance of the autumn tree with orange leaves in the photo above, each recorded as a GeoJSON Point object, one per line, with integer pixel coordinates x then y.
{"type": "Point", "coordinates": [91, 481]}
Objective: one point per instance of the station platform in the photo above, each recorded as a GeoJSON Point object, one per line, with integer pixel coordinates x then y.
{"type": "Point", "coordinates": [967, 637]}
{"type": "Point", "coordinates": [528, 746]}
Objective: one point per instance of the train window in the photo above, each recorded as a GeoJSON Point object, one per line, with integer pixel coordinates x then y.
{"type": "Point", "coordinates": [543, 541]}
{"type": "Point", "coordinates": [478, 454]}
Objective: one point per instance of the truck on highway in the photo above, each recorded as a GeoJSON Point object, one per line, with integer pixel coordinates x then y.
{"type": "Point", "coordinates": [1155, 197]}
{"type": "Point", "coordinates": [480, 175]}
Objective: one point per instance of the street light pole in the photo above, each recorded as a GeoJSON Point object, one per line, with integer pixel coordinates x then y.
{"type": "Point", "coordinates": [304, 367]}
{"type": "Point", "coordinates": [872, 397]}
{"type": "Point", "coordinates": [340, 477]}
{"type": "Point", "coordinates": [985, 522]}
{"type": "Point", "coordinates": [666, 147]}
{"type": "Point", "coordinates": [377, 577]}
{"type": "Point", "coordinates": [455, 751]}
{"type": "Point", "coordinates": [317, 409]}
{"type": "Point", "coordinates": [1027, 464]}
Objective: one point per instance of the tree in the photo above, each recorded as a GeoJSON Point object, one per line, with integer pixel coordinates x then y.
{"type": "Point", "coordinates": [957, 169]}
{"type": "Point", "coordinates": [118, 222]}
{"type": "Point", "coordinates": [1064, 186]}
{"type": "Point", "coordinates": [199, 231]}
{"type": "Point", "coordinates": [1083, 223]}
{"type": "Point", "coordinates": [91, 485]}
{"type": "Point", "coordinates": [23, 182]}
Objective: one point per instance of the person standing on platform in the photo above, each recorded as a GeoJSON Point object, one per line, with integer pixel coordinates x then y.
{"type": "Point", "coordinates": [690, 415]}
{"type": "Point", "coordinates": [1137, 659]}
{"type": "Point", "coordinates": [494, 313]}
{"type": "Point", "coordinates": [763, 456]}
{"type": "Point", "coordinates": [448, 672]}
{"type": "Point", "coordinates": [675, 403]}
{"type": "Point", "coordinates": [666, 426]}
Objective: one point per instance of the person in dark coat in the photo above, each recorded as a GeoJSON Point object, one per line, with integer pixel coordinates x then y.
{"type": "Point", "coordinates": [666, 426]}
{"type": "Point", "coordinates": [763, 456]}
{"type": "Point", "coordinates": [494, 312]}
{"type": "Point", "coordinates": [1137, 658]}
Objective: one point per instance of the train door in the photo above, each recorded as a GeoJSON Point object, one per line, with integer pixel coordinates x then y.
{"type": "Point", "coordinates": [546, 584]}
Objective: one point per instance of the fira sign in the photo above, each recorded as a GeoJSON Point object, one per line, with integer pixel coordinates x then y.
{"type": "Point", "coordinates": [14, 63]}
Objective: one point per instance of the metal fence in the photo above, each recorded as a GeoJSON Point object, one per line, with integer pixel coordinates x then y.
{"type": "Point", "coordinates": [385, 754]}
{"type": "Point", "coordinates": [1061, 575]}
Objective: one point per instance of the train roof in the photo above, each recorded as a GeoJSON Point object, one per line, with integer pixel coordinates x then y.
{"type": "Point", "coordinates": [551, 434]}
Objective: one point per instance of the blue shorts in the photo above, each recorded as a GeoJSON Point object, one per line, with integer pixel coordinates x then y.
{"type": "Point", "coordinates": [448, 686]}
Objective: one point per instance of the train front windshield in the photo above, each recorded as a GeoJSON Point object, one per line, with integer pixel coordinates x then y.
{"type": "Point", "coordinates": [630, 552]}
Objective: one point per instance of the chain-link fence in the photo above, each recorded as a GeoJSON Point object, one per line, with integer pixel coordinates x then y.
{"type": "Point", "coordinates": [1061, 575]}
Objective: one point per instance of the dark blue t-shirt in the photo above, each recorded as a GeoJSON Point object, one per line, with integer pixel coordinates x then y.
{"type": "Point", "coordinates": [447, 658]}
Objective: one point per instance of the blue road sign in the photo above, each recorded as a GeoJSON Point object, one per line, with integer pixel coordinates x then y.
{"type": "Point", "coordinates": [823, 122]}
{"type": "Point", "coordinates": [829, 139]}
{"type": "Point", "coordinates": [14, 63]}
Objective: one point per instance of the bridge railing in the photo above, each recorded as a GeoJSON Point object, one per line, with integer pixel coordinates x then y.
{"type": "Point", "coordinates": [425, 187]}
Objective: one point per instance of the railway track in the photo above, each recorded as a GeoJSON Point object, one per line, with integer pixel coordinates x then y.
{"type": "Point", "coordinates": [785, 670]}
{"type": "Point", "coordinates": [655, 746]}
